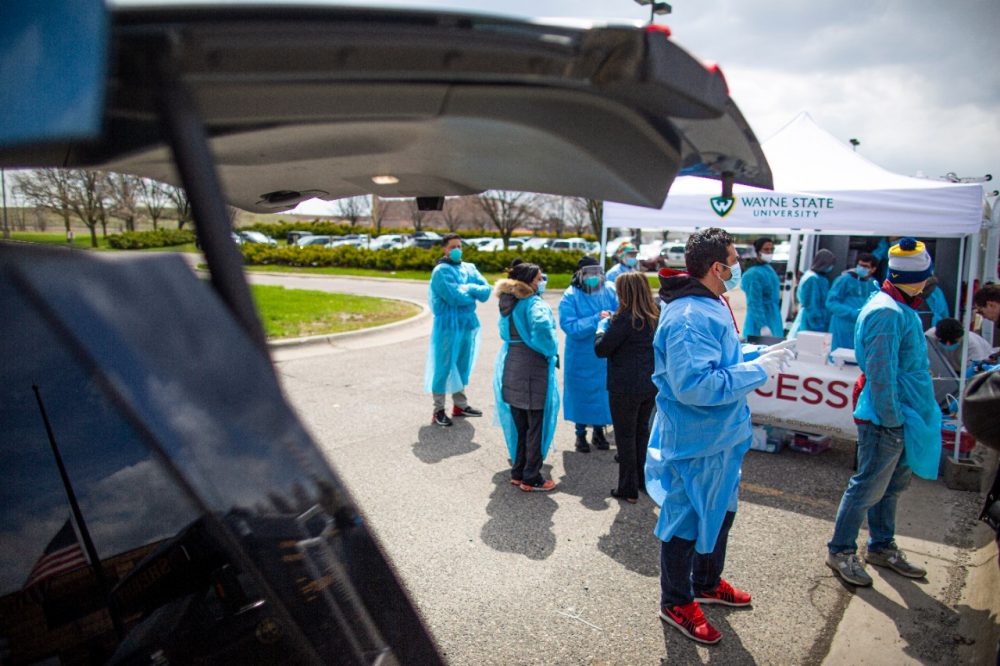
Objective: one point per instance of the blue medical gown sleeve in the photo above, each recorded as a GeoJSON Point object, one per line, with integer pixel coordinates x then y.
{"type": "Point", "coordinates": [448, 286]}
{"type": "Point", "coordinates": [838, 300]}
{"type": "Point", "coordinates": [763, 297]}
{"type": "Point", "coordinates": [696, 376]}
{"type": "Point", "coordinates": [938, 306]}
{"type": "Point", "coordinates": [812, 297]}
{"type": "Point", "coordinates": [878, 337]}
{"type": "Point", "coordinates": [576, 320]}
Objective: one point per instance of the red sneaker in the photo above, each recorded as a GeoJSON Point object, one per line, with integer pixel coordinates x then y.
{"type": "Point", "coordinates": [691, 622]}
{"type": "Point", "coordinates": [543, 487]}
{"type": "Point", "coordinates": [724, 594]}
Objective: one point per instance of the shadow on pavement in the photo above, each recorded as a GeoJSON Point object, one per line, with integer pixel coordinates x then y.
{"type": "Point", "coordinates": [520, 522]}
{"type": "Point", "coordinates": [630, 541]}
{"type": "Point", "coordinates": [436, 443]}
{"type": "Point", "coordinates": [730, 650]}
{"type": "Point", "coordinates": [589, 476]}
{"type": "Point", "coordinates": [930, 627]}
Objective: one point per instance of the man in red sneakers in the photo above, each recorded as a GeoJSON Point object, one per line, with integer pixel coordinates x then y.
{"type": "Point", "coordinates": [701, 431]}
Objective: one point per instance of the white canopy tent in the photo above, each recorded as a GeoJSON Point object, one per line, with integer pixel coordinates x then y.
{"type": "Point", "coordinates": [822, 187]}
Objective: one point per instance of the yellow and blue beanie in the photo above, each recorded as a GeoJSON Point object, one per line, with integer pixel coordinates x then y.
{"type": "Point", "coordinates": [909, 262]}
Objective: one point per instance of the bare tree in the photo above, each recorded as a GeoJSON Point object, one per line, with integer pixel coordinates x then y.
{"type": "Point", "coordinates": [155, 199]}
{"type": "Point", "coordinates": [378, 208]}
{"type": "Point", "coordinates": [577, 215]}
{"type": "Point", "coordinates": [595, 213]}
{"type": "Point", "coordinates": [124, 191]}
{"type": "Point", "coordinates": [182, 205]}
{"type": "Point", "coordinates": [507, 210]}
{"type": "Point", "coordinates": [451, 214]}
{"type": "Point", "coordinates": [86, 196]}
{"type": "Point", "coordinates": [45, 189]}
{"type": "Point", "coordinates": [417, 216]}
{"type": "Point", "coordinates": [353, 209]}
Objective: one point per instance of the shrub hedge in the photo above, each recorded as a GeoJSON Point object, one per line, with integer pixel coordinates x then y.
{"type": "Point", "coordinates": [410, 258]}
{"type": "Point", "coordinates": [141, 240]}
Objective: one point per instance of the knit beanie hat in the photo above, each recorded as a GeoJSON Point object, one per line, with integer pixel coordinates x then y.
{"type": "Point", "coordinates": [586, 261]}
{"type": "Point", "coordinates": [909, 262]}
{"type": "Point", "coordinates": [824, 259]}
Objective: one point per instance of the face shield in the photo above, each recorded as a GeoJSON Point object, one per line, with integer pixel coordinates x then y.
{"type": "Point", "coordinates": [591, 276]}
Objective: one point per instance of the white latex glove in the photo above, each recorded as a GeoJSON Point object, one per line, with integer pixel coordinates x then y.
{"type": "Point", "coordinates": [787, 344]}
{"type": "Point", "coordinates": [765, 330]}
{"type": "Point", "coordinates": [775, 361]}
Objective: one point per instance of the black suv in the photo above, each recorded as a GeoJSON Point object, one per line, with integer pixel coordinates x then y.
{"type": "Point", "coordinates": [161, 502]}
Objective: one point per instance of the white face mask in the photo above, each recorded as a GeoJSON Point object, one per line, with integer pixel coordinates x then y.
{"type": "Point", "coordinates": [766, 258]}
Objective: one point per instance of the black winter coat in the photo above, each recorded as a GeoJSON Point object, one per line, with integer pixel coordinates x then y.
{"type": "Point", "coordinates": [630, 356]}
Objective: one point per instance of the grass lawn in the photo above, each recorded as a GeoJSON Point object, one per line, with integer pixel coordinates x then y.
{"type": "Point", "coordinates": [80, 239]}
{"type": "Point", "coordinates": [293, 313]}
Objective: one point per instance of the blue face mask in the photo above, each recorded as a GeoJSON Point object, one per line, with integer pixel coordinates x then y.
{"type": "Point", "coordinates": [540, 289]}
{"type": "Point", "coordinates": [862, 271]}
{"type": "Point", "coordinates": [953, 346]}
{"type": "Point", "coordinates": [631, 262]}
{"type": "Point", "coordinates": [592, 280]}
{"type": "Point", "coordinates": [455, 254]}
{"type": "Point", "coordinates": [827, 269]}
{"type": "Point", "coordinates": [734, 281]}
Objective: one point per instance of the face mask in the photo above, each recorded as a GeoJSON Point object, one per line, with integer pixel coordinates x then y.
{"type": "Point", "coordinates": [862, 271]}
{"type": "Point", "coordinates": [766, 258]}
{"type": "Point", "coordinates": [455, 255]}
{"type": "Point", "coordinates": [953, 346]}
{"type": "Point", "coordinates": [631, 261]}
{"type": "Point", "coordinates": [592, 280]}
{"type": "Point", "coordinates": [826, 270]}
{"type": "Point", "coordinates": [734, 281]}
{"type": "Point", "coordinates": [540, 289]}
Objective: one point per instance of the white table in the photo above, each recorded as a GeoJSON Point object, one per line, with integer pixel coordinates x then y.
{"type": "Point", "coordinates": [809, 397]}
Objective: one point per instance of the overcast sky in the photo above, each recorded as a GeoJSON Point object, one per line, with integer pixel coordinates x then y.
{"type": "Point", "coordinates": [916, 81]}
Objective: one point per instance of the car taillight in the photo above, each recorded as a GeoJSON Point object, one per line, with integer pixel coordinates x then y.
{"type": "Point", "coordinates": [656, 27]}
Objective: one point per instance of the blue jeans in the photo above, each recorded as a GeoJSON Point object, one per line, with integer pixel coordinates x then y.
{"type": "Point", "coordinates": [684, 572]}
{"type": "Point", "coordinates": [874, 490]}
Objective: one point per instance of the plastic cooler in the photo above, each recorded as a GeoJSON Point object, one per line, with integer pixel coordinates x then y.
{"type": "Point", "coordinates": [966, 442]}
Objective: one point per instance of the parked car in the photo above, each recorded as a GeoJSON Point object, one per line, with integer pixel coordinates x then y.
{"type": "Point", "coordinates": [355, 240]}
{"type": "Point", "coordinates": [257, 237]}
{"type": "Point", "coordinates": [673, 255]}
{"type": "Point", "coordinates": [292, 237]}
{"type": "Point", "coordinates": [306, 241]}
{"type": "Point", "coordinates": [221, 533]}
{"type": "Point", "coordinates": [388, 242]}
{"type": "Point", "coordinates": [536, 244]}
{"type": "Point", "coordinates": [580, 244]}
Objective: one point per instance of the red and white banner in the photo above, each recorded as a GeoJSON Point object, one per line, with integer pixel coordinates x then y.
{"type": "Point", "coordinates": [809, 397]}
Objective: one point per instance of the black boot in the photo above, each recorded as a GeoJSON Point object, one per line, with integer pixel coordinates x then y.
{"type": "Point", "coordinates": [581, 443]}
{"type": "Point", "coordinates": [600, 443]}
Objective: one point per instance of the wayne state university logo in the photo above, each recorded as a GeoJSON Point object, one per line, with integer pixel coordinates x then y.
{"type": "Point", "coordinates": [723, 205]}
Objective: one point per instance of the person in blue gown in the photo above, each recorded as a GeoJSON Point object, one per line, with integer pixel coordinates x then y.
{"type": "Point", "coordinates": [456, 286]}
{"type": "Point", "coordinates": [584, 374]}
{"type": "Point", "coordinates": [811, 293]}
{"type": "Point", "coordinates": [763, 293]}
{"type": "Point", "coordinates": [850, 291]}
{"type": "Point", "coordinates": [701, 431]}
{"type": "Point", "coordinates": [628, 261]}
{"type": "Point", "coordinates": [935, 307]}
{"type": "Point", "coordinates": [899, 421]}
{"type": "Point", "coordinates": [525, 389]}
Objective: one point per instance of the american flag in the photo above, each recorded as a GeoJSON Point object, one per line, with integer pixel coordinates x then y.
{"type": "Point", "coordinates": [61, 555]}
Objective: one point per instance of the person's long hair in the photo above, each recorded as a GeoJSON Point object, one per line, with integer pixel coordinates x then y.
{"type": "Point", "coordinates": [635, 300]}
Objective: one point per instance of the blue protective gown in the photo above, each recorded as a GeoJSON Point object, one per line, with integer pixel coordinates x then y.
{"type": "Point", "coordinates": [537, 326]}
{"type": "Point", "coordinates": [847, 296]}
{"type": "Point", "coordinates": [584, 374]}
{"type": "Point", "coordinates": [813, 315]}
{"type": "Point", "coordinates": [763, 291]}
{"type": "Point", "coordinates": [938, 306]}
{"type": "Point", "coordinates": [454, 290]}
{"type": "Point", "coordinates": [616, 270]}
{"type": "Point", "coordinates": [892, 352]}
{"type": "Point", "coordinates": [702, 426]}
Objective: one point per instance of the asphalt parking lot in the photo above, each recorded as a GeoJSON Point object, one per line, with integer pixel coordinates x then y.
{"type": "Point", "coordinates": [571, 577]}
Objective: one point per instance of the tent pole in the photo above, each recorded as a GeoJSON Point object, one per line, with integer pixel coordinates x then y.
{"type": "Point", "coordinates": [973, 268]}
{"type": "Point", "coordinates": [990, 267]}
{"type": "Point", "coordinates": [958, 287]}
{"type": "Point", "coordinates": [791, 270]}
{"type": "Point", "coordinates": [604, 247]}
